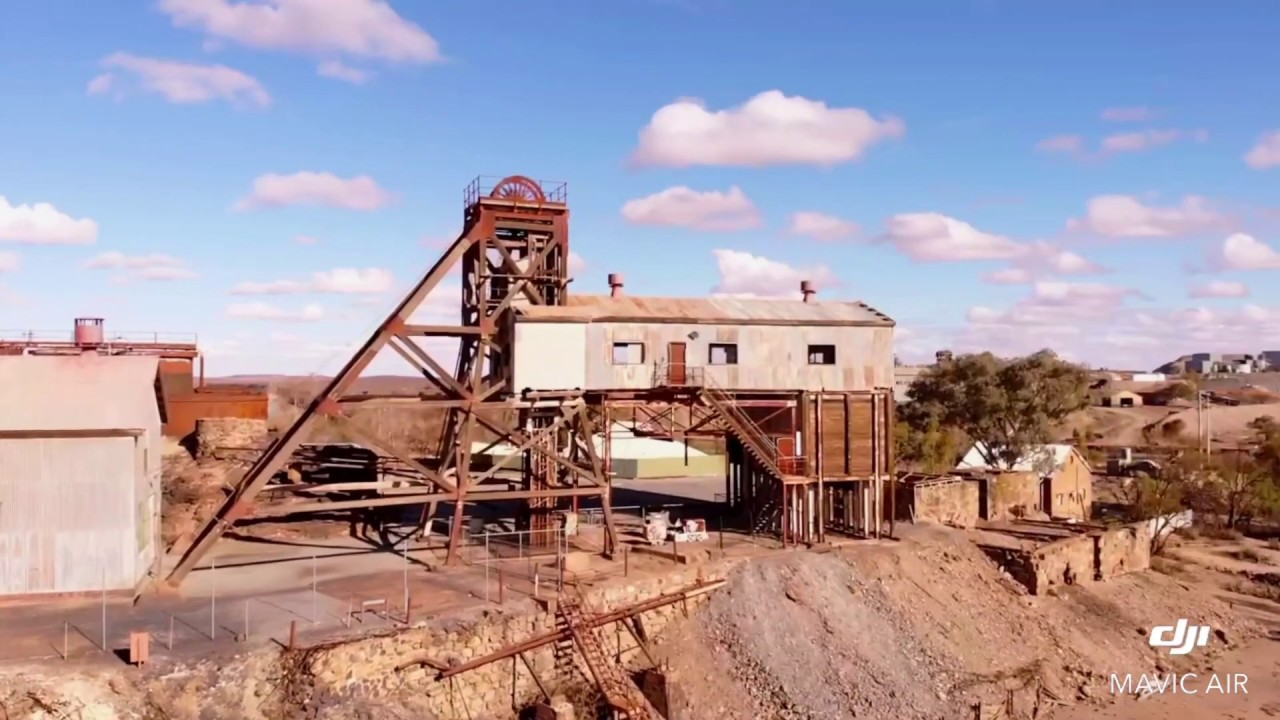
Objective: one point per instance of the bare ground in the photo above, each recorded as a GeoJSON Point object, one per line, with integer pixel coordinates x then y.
{"type": "Point", "coordinates": [921, 630]}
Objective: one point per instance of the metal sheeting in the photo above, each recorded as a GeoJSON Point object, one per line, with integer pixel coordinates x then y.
{"type": "Point", "coordinates": [597, 308]}
{"type": "Point", "coordinates": [74, 509]}
{"type": "Point", "coordinates": [69, 516]}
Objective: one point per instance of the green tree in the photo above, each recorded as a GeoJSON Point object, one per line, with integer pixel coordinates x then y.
{"type": "Point", "coordinates": [1006, 407]}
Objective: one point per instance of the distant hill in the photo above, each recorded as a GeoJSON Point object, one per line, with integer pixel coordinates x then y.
{"type": "Point", "coordinates": [371, 385]}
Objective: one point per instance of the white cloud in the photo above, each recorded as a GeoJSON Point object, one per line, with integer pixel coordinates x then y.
{"type": "Point", "coordinates": [1266, 153]}
{"type": "Point", "coordinates": [156, 267]}
{"type": "Point", "coordinates": [9, 262]}
{"type": "Point", "coordinates": [339, 281]}
{"type": "Point", "coordinates": [681, 206]}
{"type": "Point", "coordinates": [1120, 216]}
{"type": "Point", "coordinates": [43, 224]}
{"type": "Point", "coordinates": [305, 240]}
{"type": "Point", "coordinates": [1147, 139]}
{"type": "Point", "coordinates": [315, 188]}
{"type": "Point", "coordinates": [1245, 252]}
{"type": "Point", "coordinates": [335, 70]}
{"type": "Point", "coordinates": [357, 28]}
{"type": "Point", "coordinates": [821, 226]}
{"type": "Point", "coordinates": [263, 311]}
{"type": "Point", "coordinates": [1061, 144]}
{"type": "Point", "coordinates": [179, 82]}
{"type": "Point", "coordinates": [933, 237]}
{"type": "Point", "coordinates": [577, 263]}
{"type": "Point", "coordinates": [1128, 114]}
{"type": "Point", "coordinates": [769, 129]}
{"type": "Point", "coordinates": [1009, 276]}
{"type": "Point", "coordinates": [1220, 289]}
{"type": "Point", "coordinates": [745, 275]}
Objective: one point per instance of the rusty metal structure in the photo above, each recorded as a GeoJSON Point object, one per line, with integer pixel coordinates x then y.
{"type": "Point", "coordinates": [181, 390]}
{"type": "Point", "coordinates": [513, 258]}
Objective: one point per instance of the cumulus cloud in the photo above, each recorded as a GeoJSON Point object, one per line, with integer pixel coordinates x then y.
{"type": "Point", "coordinates": [1245, 252]}
{"type": "Point", "coordinates": [315, 188]}
{"type": "Point", "coordinates": [339, 281]}
{"type": "Point", "coordinates": [682, 206]}
{"type": "Point", "coordinates": [1008, 276]}
{"type": "Point", "coordinates": [769, 129]}
{"type": "Point", "coordinates": [356, 28]}
{"type": "Point", "coordinates": [43, 224]}
{"type": "Point", "coordinates": [1265, 153]}
{"type": "Point", "coordinates": [1125, 216]}
{"type": "Point", "coordinates": [178, 82]}
{"type": "Point", "coordinates": [264, 311]}
{"type": "Point", "coordinates": [933, 237]}
{"type": "Point", "coordinates": [305, 240]}
{"type": "Point", "coordinates": [1220, 289]}
{"type": "Point", "coordinates": [820, 226]}
{"type": "Point", "coordinates": [336, 70]}
{"type": "Point", "coordinates": [156, 267]}
{"type": "Point", "coordinates": [745, 275]}
{"type": "Point", "coordinates": [1128, 114]}
{"type": "Point", "coordinates": [9, 262]}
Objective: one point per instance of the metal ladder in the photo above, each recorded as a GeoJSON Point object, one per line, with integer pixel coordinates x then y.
{"type": "Point", "coordinates": [621, 694]}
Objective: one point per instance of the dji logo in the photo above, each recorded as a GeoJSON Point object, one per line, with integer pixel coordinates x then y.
{"type": "Point", "coordinates": [1180, 638]}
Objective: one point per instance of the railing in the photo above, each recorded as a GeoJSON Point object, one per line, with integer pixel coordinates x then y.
{"type": "Point", "coordinates": [668, 374]}
{"type": "Point", "coordinates": [554, 191]}
{"type": "Point", "coordinates": [751, 434]}
{"type": "Point", "coordinates": [124, 338]}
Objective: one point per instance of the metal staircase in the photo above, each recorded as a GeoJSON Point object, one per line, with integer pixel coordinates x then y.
{"type": "Point", "coordinates": [753, 438]}
{"type": "Point", "coordinates": [619, 692]}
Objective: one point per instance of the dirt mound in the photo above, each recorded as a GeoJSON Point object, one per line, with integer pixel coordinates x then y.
{"type": "Point", "coordinates": [920, 630]}
{"type": "Point", "coordinates": [190, 492]}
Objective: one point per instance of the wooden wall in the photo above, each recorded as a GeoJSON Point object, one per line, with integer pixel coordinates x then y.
{"type": "Point", "coordinates": [848, 435]}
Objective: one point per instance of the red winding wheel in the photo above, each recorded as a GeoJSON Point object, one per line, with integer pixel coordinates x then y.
{"type": "Point", "coordinates": [518, 187]}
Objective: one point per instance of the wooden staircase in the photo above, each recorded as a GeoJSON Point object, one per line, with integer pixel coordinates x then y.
{"type": "Point", "coordinates": [619, 691]}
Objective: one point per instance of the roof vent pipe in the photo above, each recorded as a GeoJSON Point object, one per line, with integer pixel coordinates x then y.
{"type": "Point", "coordinates": [806, 289]}
{"type": "Point", "coordinates": [615, 284]}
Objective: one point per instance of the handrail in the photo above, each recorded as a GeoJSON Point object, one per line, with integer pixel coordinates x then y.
{"type": "Point", "coordinates": [751, 432]}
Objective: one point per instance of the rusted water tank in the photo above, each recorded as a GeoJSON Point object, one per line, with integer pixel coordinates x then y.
{"type": "Point", "coordinates": [88, 332]}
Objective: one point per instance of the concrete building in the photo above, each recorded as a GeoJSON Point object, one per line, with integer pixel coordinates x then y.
{"type": "Point", "coordinates": [80, 455]}
{"type": "Point", "coordinates": [1066, 480]}
{"type": "Point", "coordinates": [621, 342]}
{"type": "Point", "coordinates": [903, 377]}
{"type": "Point", "coordinates": [1119, 398]}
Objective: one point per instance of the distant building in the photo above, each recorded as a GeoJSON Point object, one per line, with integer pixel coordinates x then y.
{"type": "Point", "coordinates": [903, 377]}
{"type": "Point", "coordinates": [1066, 480]}
{"type": "Point", "coordinates": [1119, 398]}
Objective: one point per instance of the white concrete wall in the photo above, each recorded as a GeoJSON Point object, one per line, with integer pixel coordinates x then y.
{"type": "Point", "coordinates": [769, 357]}
{"type": "Point", "coordinates": [550, 356]}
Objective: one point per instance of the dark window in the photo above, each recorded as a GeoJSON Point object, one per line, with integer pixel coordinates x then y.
{"type": "Point", "coordinates": [628, 353]}
{"type": "Point", "coordinates": [723, 354]}
{"type": "Point", "coordinates": [822, 354]}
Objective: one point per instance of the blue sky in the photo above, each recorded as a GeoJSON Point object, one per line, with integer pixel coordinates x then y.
{"type": "Point", "coordinates": [989, 126]}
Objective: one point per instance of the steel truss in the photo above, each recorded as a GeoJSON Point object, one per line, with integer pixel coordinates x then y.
{"type": "Point", "coordinates": [513, 250]}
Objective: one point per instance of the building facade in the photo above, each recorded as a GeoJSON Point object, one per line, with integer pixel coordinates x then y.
{"type": "Point", "coordinates": [80, 458]}
{"type": "Point", "coordinates": [619, 343]}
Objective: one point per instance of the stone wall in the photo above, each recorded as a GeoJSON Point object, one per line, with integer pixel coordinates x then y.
{"type": "Point", "coordinates": [1063, 562]}
{"type": "Point", "coordinates": [216, 436]}
{"type": "Point", "coordinates": [1124, 550]}
{"type": "Point", "coordinates": [1013, 495]}
{"type": "Point", "coordinates": [1085, 558]}
{"type": "Point", "coordinates": [367, 667]}
{"type": "Point", "coordinates": [950, 503]}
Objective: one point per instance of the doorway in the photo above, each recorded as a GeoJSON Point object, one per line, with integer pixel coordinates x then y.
{"type": "Point", "coordinates": [676, 369]}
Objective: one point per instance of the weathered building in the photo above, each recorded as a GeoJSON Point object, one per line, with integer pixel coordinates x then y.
{"type": "Point", "coordinates": [607, 342]}
{"type": "Point", "coordinates": [80, 455]}
{"type": "Point", "coordinates": [1066, 480]}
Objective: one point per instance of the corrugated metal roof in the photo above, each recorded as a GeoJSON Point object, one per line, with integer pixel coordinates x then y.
{"type": "Point", "coordinates": [79, 392]}
{"type": "Point", "coordinates": [605, 308]}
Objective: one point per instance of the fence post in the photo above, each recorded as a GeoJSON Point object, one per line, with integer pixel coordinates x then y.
{"type": "Point", "coordinates": [66, 625]}
{"type": "Point", "coordinates": [626, 562]}
{"type": "Point", "coordinates": [104, 609]}
{"type": "Point", "coordinates": [487, 559]}
{"type": "Point", "coordinates": [170, 632]}
{"type": "Point", "coordinates": [213, 599]}
{"type": "Point", "coordinates": [314, 561]}
{"type": "Point", "coordinates": [246, 621]}
{"type": "Point", "coordinates": [406, 581]}
{"type": "Point", "coordinates": [502, 593]}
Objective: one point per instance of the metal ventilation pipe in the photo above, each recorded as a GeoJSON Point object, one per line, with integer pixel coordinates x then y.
{"type": "Point", "coordinates": [806, 289]}
{"type": "Point", "coordinates": [615, 284]}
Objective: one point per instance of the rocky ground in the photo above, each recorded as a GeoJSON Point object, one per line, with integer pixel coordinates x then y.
{"type": "Point", "coordinates": [920, 630]}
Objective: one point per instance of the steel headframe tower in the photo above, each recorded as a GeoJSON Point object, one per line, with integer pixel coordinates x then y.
{"type": "Point", "coordinates": [513, 250]}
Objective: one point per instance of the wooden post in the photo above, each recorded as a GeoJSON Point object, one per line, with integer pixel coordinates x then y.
{"type": "Point", "coordinates": [293, 634]}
